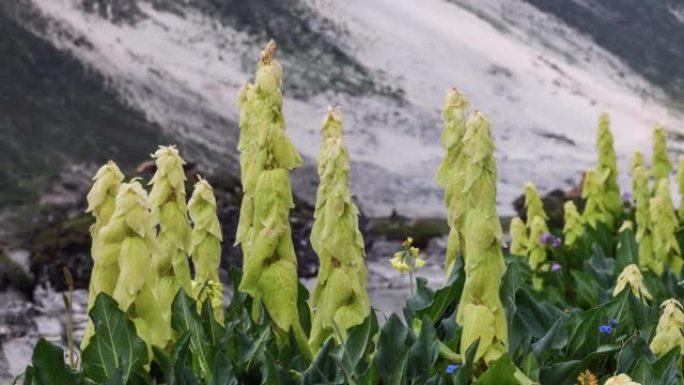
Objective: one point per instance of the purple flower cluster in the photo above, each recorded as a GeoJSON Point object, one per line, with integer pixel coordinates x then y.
{"type": "Point", "coordinates": [556, 267]}
{"type": "Point", "coordinates": [626, 197]}
{"type": "Point", "coordinates": [548, 239]}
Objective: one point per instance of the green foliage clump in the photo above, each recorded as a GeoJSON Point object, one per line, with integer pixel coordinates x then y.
{"type": "Point", "coordinates": [574, 226]}
{"type": "Point", "coordinates": [666, 249]}
{"type": "Point", "coordinates": [519, 238]}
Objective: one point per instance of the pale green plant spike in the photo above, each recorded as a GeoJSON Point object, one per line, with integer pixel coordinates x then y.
{"type": "Point", "coordinates": [631, 275]}
{"type": "Point", "coordinates": [533, 203]}
{"type": "Point", "coordinates": [664, 226]}
{"type": "Point", "coordinates": [574, 226]}
{"type": "Point", "coordinates": [662, 165]}
{"type": "Point", "coordinates": [670, 330]}
{"type": "Point", "coordinates": [270, 264]}
{"type": "Point", "coordinates": [638, 160]}
{"type": "Point", "coordinates": [519, 238]}
{"type": "Point", "coordinates": [642, 196]}
{"type": "Point", "coordinates": [340, 298]}
{"type": "Point", "coordinates": [680, 183]}
{"type": "Point", "coordinates": [607, 168]}
{"type": "Point", "coordinates": [480, 311]}
{"type": "Point", "coordinates": [101, 203]}
{"type": "Point", "coordinates": [263, 144]}
{"type": "Point", "coordinates": [130, 237]}
{"type": "Point", "coordinates": [595, 211]}
{"type": "Point", "coordinates": [451, 173]}
{"type": "Point", "coordinates": [536, 251]}
{"type": "Point", "coordinates": [205, 246]}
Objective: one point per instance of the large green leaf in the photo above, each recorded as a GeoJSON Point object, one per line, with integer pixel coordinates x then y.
{"type": "Point", "coordinates": [115, 345]}
{"type": "Point", "coordinates": [184, 319]}
{"type": "Point", "coordinates": [500, 372]}
{"type": "Point", "coordinates": [627, 252]}
{"type": "Point", "coordinates": [423, 353]}
{"type": "Point", "coordinates": [48, 367]}
{"type": "Point", "coordinates": [392, 354]}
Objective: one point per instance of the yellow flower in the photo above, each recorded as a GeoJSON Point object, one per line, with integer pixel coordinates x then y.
{"type": "Point", "coordinates": [587, 378]}
{"type": "Point", "coordinates": [621, 379]}
{"type": "Point", "coordinates": [670, 329]}
{"type": "Point", "coordinates": [419, 263]}
{"type": "Point", "coordinates": [414, 251]}
{"type": "Point", "coordinates": [408, 242]}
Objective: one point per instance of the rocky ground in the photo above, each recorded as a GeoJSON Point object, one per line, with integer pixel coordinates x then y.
{"type": "Point", "coordinates": [23, 321]}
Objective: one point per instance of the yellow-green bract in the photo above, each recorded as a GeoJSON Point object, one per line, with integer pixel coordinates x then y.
{"type": "Point", "coordinates": [607, 168]}
{"type": "Point", "coordinates": [573, 227]}
{"type": "Point", "coordinates": [664, 225]}
{"type": "Point", "coordinates": [340, 299]}
{"type": "Point", "coordinates": [670, 329]}
{"type": "Point", "coordinates": [451, 172]}
{"type": "Point", "coordinates": [662, 165]}
{"type": "Point", "coordinates": [632, 276]}
{"type": "Point", "coordinates": [536, 224]}
{"type": "Point", "coordinates": [642, 195]}
{"type": "Point", "coordinates": [205, 245]}
{"type": "Point", "coordinates": [264, 229]}
{"type": "Point", "coordinates": [680, 182]}
{"type": "Point", "coordinates": [480, 311]}
{"type": "Point", "coordinates": [101, 203]}
{"type": "Point", "coordinates": [519, 238]}
{"type": "Point", "coordinates": [595, 211]}
{"type": "Point", "coordinates": [169, 211]}
{"type": "Point", "coordinates": [130, 238]}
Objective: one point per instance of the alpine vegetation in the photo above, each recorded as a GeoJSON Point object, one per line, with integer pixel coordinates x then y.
{"type": "Point", "coordinates": [574, 303]}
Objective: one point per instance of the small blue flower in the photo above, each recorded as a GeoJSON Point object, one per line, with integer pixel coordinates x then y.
{"type": "Point", "coordinates": [626, 197]}
{"type": "Point", "coordinates": [452, 368]}
{"type": "Point", "coordinates": [556, 267]}
{"type": "Point", "coordinates": [557, 242]}
{"type": "Point", "coordinates": [613, 323]}
{"type": "Point", "coordinates": [605, 329]}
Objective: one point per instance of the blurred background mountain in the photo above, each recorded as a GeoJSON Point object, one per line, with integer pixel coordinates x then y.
{"type": "Point", "coordinates": [83, 81]}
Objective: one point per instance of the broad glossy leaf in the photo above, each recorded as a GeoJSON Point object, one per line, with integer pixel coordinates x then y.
{"type": "Point", "coordinates": [423, 353]}
{"type": "Point", "coordinates": [500, 372]}
{"type": "Point", "coordinates": [115, 345]}
{"type": "Point", "coordinates": [48, 367]}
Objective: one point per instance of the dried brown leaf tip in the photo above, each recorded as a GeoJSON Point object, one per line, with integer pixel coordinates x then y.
{"type": "Point", "coordinates": [267, 54]}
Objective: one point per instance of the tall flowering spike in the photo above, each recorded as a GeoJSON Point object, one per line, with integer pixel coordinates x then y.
{"type": "Point", "coordinates": [340, 298]}
{"type": "Point", "coordinates": [621, 379]}
{"type": "Point", "coordinates": [519, 238]}
{"type": "Point", "coordinates": [533, 203]}
{"type": "Point", "coordinates": [130, 238]}
{"type": "Point", "coordinates": [670, 329]}
{"type": "Point", "coordinates": [595, 211]}
{"type": "Point", "coordinates": [632, 276]}
{"type": "Point", "coordinates": [481, 312]}
{"type": "Point", "coordinates": [607, 167]}
{"type": "Point", "coordinates": [664, 226]}
{"type": "Point", "coordinates": [101, 203]}
{"type": "Point", "coordinates": [263, 144]}
{"type": "Point", "coordinates": [680, 182]}
{"type": "Point", "coordinates": [638, 160]}
{"type": "Point", "coordinates": [270, 264]}
{"type": "Point", "coordinates": [662, 165]}
{"type": "Point", "coordinates": [573, 227]}
{"type": "Point", "coordinates": [642, 195]}
{"type": "Point", "coordinates": [205, 245]}
{"type": "Point", "coordinates": [451, 173]}
{"type": "Point", "coordinates": [169, 211]}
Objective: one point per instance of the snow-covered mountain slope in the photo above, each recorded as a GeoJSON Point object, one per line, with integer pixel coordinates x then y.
{"type": "Point", "coordinates": [542, 84]}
